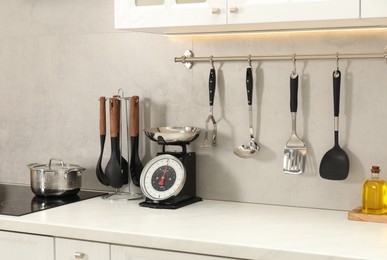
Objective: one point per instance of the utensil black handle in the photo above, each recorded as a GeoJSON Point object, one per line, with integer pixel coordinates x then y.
{"type": "Point", "coordinates": [293, 93]}
{"type": "Point", "coordinates": [249, 85]}
{"type": "Point", "coordinates": [336, 91]}
{"type": "Point", "coordinates": [212, 85]}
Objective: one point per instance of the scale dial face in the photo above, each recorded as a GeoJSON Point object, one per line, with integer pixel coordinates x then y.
{"type": "Point", "coordinates": [163, 177]}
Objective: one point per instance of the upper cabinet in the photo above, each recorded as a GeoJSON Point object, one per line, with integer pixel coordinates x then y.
{"type": "Point", "coordinates": [201, 16]}
{"type": "Point", "coordinates": [169, 13]}
{"type": "Point", "coordinates": [373, 8]}
{"type": "Point", "coordinates": [273, 11]}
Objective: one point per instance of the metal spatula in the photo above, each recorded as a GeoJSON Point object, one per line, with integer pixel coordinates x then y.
{"type": "Point", "coordinates": [295, 149]}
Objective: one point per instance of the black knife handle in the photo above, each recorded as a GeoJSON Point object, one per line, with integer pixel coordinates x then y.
{"type": "Point", "coordinates": [212, 85]}
{"type": "Point", "coordinates": [249, 85]}
{"type": "Point", "coordinates": [293, 92]}
{"type": "Point", "coordinates": [336, 91]}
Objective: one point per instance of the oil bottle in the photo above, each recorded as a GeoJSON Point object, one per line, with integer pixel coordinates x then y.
{"type": "Point", "coordinates": [374, 194]}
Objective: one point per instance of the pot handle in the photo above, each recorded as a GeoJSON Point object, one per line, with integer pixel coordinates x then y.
{"type": "Point", "coordinates": [76, 169]}
{"type": "Point", "coordinates": [55, 159]}
{"type": "Point", "coordinates": [31, 165]}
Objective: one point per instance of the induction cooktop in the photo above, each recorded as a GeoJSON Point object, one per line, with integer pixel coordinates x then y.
{"type": "Point", "coordinates": [16, 200]}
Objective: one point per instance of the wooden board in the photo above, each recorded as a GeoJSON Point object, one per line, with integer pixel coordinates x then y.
{"type": "Point", "coordinates": [356, 214]}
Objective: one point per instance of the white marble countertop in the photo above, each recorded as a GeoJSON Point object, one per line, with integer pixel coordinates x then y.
{"type": "Point", "coordinates": [239, 230]}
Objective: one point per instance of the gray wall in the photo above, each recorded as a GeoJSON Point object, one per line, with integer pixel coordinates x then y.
{"type": "Point", "coordinates": [58, 57]}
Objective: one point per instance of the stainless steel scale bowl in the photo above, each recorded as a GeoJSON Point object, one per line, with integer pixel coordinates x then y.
{"type": "Point", "coordinates": [173, 135]}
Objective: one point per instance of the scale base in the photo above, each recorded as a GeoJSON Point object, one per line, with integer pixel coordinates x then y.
{"type": "Point", "coordinates": [176, 205]}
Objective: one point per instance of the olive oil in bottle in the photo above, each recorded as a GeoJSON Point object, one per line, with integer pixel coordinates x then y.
{"type": "Point", "coordinates": [374, 194]}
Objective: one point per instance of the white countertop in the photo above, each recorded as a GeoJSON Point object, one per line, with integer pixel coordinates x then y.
{"type": "Point", "coordinates": [239, 230]}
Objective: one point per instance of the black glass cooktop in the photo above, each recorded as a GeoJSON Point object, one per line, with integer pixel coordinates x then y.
{"type": "Point", "coordinates": [18, 200]}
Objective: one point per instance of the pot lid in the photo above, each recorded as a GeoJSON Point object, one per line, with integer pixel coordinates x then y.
{"type": "Point", "coordinates": [53, 166]}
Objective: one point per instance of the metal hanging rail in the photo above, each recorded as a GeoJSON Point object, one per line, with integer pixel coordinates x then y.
{"type": "Point", "coordinates": [188, 58]}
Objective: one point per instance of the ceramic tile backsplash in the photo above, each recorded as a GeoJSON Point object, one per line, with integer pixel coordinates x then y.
{"type": "Point", "coordinates": [58, 57]}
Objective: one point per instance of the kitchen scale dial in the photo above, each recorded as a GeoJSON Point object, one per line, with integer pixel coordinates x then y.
{"type": "Point", "coordinates": [163, 177]}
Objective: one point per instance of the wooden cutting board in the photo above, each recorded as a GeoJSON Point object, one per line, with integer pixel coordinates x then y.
{"type": "Point", "coordinates": [356, 214]}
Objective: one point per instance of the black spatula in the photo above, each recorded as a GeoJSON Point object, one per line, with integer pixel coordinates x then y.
{"type": "Point", "coordinates": [113, 167]}
{"type": "Point", "coordinates": [102, 128]}
{"type": "Point", "coordinates": [135, 162]}
{"type": "Point", "coordinates": [335, 163]}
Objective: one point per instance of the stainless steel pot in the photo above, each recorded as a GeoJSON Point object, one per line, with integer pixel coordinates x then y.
{"type": "Point", "coordinates": [55, 179]}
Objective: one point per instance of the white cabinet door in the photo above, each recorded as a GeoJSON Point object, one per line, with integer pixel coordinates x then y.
{"type": "Point", "coordinates": [68, 249]}
{"type": "Point", "coordinates": [268, 11]}
{"type": "Point", "coordinates": [168, 13]}
{"type": "Point", "coordinates": [17, 246]}
{"type": "Point", "coordinates": [373, 8]}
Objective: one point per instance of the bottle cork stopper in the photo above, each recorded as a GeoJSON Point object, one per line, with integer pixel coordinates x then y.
{"type": "Point", "coordinates": [375, 169]}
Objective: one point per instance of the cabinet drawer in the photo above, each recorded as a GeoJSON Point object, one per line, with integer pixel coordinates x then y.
{"type": "Point", "coordinates": [69, 249]}
{"type": "Point", "coordinates": [17, 246]}
{"type": "Point", "coordinates": [136, 253]}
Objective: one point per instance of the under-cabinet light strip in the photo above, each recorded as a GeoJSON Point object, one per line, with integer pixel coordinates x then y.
{"type": "Point", "coordinates": [277, 31]}
{"type": "Point", "coordinates": [188, 58]}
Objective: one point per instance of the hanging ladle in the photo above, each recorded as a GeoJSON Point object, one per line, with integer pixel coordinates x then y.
{"type": "Point", "coordinates": [251, 148]}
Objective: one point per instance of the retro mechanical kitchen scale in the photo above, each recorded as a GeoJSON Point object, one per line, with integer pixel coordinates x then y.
{"type": "Point", "coordinates": [168, 181]}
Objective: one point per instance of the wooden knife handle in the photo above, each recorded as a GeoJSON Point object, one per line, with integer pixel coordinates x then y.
{"type": "Point", "coordinates": [134, 115]}
{"type": "Point", "coordinates": [102, 115]}
{"type": "Point", "coordinates": [114, 105]}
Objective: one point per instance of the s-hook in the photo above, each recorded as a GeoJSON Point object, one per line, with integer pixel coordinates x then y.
{"type": "Point", "coordinates": [337, 73]}
{"type": "Point", "coordinates": [294, 72]}
{"type": "Point", "coordinates": [212, 62]}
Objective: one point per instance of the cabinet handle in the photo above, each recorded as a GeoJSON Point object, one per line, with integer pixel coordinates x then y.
{"type": "Point", "coordinates": [233, 9]}
{"type": "Point", "coordinates": [79, 255]}
{"type": "Point", "coordinates": [215, 10]}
